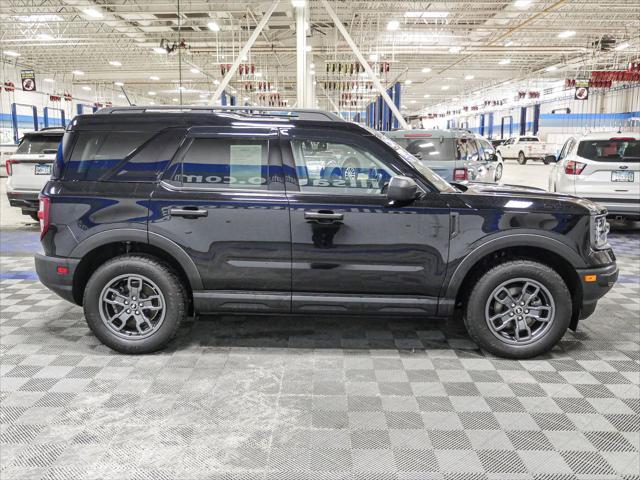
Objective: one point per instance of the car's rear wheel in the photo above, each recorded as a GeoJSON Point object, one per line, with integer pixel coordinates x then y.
{"type": "Point", "coordinates": [521, 158]}
{"type": "Point", "coordinates": [518, 309]}
{"type": "Point", "coordinates": [134, 303]}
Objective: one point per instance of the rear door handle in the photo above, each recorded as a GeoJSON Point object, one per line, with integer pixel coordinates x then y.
{"type": "Point", "coordinates": [323, 215]}
{"type": "Point", "coordinates": [188, 212]}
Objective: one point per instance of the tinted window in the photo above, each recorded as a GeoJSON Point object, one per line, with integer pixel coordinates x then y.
{"type": "Point", "coordinates": [529, 139]}
{"type": "Point", "coordinates": [152, 159]}
{"type": "Point", "coordinates": [467, 149]}
{"type": "Point", "coordinates": [37, 144]}
{"type": "Point", "coordinates": [338, 168]}
{"type": "Point", "coordinates": [610, 150]}
{"type": "Point", "coordinates": [225, 163]}
{"type": "Point", "coordinates": [429, 149]}
{"type": "Point", "coordinates": [96, 153]}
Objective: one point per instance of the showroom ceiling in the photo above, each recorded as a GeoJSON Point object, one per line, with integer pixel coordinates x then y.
{"type": "Point", "coordinates": [442, 50]}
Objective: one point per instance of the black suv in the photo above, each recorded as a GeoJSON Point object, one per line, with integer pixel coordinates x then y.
{"type": "Point", "coordinates": [152, 214]}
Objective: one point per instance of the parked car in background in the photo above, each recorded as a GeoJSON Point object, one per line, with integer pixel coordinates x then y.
{"type": "Point", "coordinates": [496, 142]}
{"type": "Point", "coordinates": [6, 150]}
{"type": "Point", "coordinates": [603, 167]}
{"type": "Point", "coordinates": [29, 168]}
{"type": "Point", "coordinates": [527, 147]}
{"type": "Point", "coordinates": [456, 155]}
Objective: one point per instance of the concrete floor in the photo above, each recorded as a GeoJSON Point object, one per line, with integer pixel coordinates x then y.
{"type": "Point", "coordinates": [248, 397]}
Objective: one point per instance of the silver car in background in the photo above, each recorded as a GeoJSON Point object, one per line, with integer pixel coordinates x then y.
{"type": "Point", "coordinates": [456, 155]}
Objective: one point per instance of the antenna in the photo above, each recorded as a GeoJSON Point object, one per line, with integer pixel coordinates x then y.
{"type": "Point", "coordinates": [127, 96]}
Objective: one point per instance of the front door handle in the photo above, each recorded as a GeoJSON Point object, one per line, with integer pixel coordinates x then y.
{"type": "Point", "coordinates": [189, 212]}
{"type": "Point", "coordinates": [323, 215]}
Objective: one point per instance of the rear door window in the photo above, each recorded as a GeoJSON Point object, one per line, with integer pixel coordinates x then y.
{"type": "Point", "coordinates": [96, 153]}
{"type": "Point", "coordinates": [39, 144]}
{"type": "Point", "coordinates": [227, 163]}
{"type": "Point", "coordinates": [613, 150]}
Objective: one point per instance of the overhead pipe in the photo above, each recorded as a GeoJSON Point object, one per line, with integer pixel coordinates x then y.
{"type": "Point", "coordinates": [247, 46]}
{"type": "Point", "coordinates": [365, 65]}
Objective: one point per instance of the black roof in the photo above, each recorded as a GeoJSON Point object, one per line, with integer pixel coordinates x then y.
{"type": "Point", "coordinates": [155, 118]}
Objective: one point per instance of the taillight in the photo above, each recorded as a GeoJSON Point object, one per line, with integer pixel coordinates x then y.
{"type": "Point", "coordinates": [8, 165]}
{"type": "Point", "coordinates": [43, 214]}
{"type": "Point", "coordinates": [574, 168]}
{"type": "Point", "coordinates": [460, 174]}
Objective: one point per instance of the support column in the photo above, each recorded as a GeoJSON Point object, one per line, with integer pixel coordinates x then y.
{"type": "Point", "coordinates": [397, 89]}
{"type": "Point", "coordinates": [523, 120]}
{"type": "Point", "coordinates": [536, 118]}
{"type": "Point", "coordinates": [302, 68]}
{"type": "Point", "coordinates": [481, 129]}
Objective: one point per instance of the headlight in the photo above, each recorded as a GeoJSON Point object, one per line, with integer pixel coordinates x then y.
{"type": "Point", "coordinates": [599, 232]}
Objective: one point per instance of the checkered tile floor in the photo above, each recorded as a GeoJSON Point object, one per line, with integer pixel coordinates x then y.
{"type": "Point", "coordinates": [314, 398]}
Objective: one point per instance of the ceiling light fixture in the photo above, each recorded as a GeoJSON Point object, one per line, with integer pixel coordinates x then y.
{"type": "Point", "coordinates": [38, 17]}
{"type": "Point", "coordinates": [216, 82]}
{"type": "Point", "coordinates": [522, 3]}
{"type": "Point", "coordinates": [11, 53]}
{"type": "Point", "coordinates": [44, 36]}
{"type": "Point", "coordinates": [298, 3]}
{"type": "Point", "coordinates": [455, 49]}
{"type": "Point", "coordinates": [373, 57]}
{"type": "Point", "coordinates": [115, 63]}
{"type": "Point", "coordinates": [504, 61]}
{"type": "Point", "coordinates": [159, 50]}
{"type": "Point", "coordinates": [408, 82]}
{"type": "Point", "coordinates": [118, 84]}
{"type": "Point", "coordinates": [174, 99]}
{"type": "Point", "coordinates": [151, 93]}
{"type": "Point", "coordinates": [552, 68]}
{"type": "Point", "coordinates": [153, 77]}
{"type": "Point", "coordinates": [426, 95]}
{"type": "Point", "coordinates": [469, 77]}
{"type": "Point", "coordinates": [78, 72]}
{"type": "Point", "coordinates": [445, 87]}
{"type": "Point", "coordinates": [622, 46]}
{"type": "Point", "coordinates": [426, 70]}
{"type": "Point", "coordinates": [92, 12]}
{"type": "Point", "coordinates": [566, 34]}
{"type": "Point", "coordinates": [213, 26]}
{"type": "Point", "coordinates": [49, 80]}
{"type": "Point", "coordinates": [393, 25]}
{"type": "Point", "coordinates": [86, 88]}
{"type": "Point", "coordinates": [308, 48]}
{"type": "Point", "coordinates": [195, 70]}
{"type": "Point", "coordinates": [508, 44]}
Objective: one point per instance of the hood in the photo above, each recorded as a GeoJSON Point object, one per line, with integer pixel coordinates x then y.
{"type": "Point", "coordinates": [526, 198]}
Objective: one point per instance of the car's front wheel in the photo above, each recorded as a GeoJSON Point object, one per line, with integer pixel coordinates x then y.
{"type": "Point", "coordinates": [521, 158]}
{"type": "Point", "coordinates": [134, 303]}
{"type": "Point", "coordinates": [499, 169]}
{"type": "Point", "coordinates": [518, 309]}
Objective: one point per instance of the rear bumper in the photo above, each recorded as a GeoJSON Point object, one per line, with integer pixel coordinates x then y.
{"type": "Point", "coordinates": [26, 200]}
{"type": "Point", "coordinates": [47, 269]}
{"type": "Point", "coordinates": [592, 291]}
{"type": "Point", "coordinates": [619, 206]}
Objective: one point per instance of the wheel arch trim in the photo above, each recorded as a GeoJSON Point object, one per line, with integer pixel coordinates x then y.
{"type": "Point", "coordinates": [503, 242]}
{"type": "Point", "coordinates": [142, 236]}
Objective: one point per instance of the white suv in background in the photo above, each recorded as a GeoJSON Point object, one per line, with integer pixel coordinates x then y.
{"type": "Point", "coordinates": [29, 168]}
{"type": "Point", "coordinates": [603, 167]}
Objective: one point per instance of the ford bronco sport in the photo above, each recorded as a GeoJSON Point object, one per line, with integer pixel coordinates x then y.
{"type": "Point", "coordinates": [155, 213]}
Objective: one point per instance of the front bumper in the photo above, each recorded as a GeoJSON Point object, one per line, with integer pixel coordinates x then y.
{"type": "Point", "coordinates": [596, 282]}
{"type": "Point", "coordinates": [23, 199]}
{"type": "Point", "coordinates": [47, 269]}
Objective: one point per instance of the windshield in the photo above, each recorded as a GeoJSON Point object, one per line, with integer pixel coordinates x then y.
{"type": "Point", "coordinates": [37, 144]}
{"type": "Point", "coordinates": [436, 180]}
{"type": "Point", "coordinates": [614, 150]}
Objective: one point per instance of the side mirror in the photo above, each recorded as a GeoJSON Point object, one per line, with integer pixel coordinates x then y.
{"type": "Point", "coordinates": [402, 190]}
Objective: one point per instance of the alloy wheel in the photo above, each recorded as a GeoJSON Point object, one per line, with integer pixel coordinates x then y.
{"type": "Point", "coordinates": [132, 306]}
{"type": "Point", "coordinates": [520, 311]}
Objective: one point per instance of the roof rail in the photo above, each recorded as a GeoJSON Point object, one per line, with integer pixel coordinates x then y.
{"type": "Point", "coordinates": [298, 113]}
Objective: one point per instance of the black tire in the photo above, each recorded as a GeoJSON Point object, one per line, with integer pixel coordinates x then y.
{"type": "Point", "coordinates": [33, 215]}
{"type": "Point", "coordinates": [522, 160]}
{"type": "Point", "coordinates": [475, 317]}
{"type": "Point", "coordinates": [546, 161]}
{"type": "Point", "coordinates": [499, 169]}
{"type": "Point", "coordinates": [168, 283]}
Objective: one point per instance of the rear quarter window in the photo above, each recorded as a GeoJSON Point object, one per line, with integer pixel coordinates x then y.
{"type": "Point", "coordinates": [97, 153]}
{"type": "Point", "coordinates": [610, 150]}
